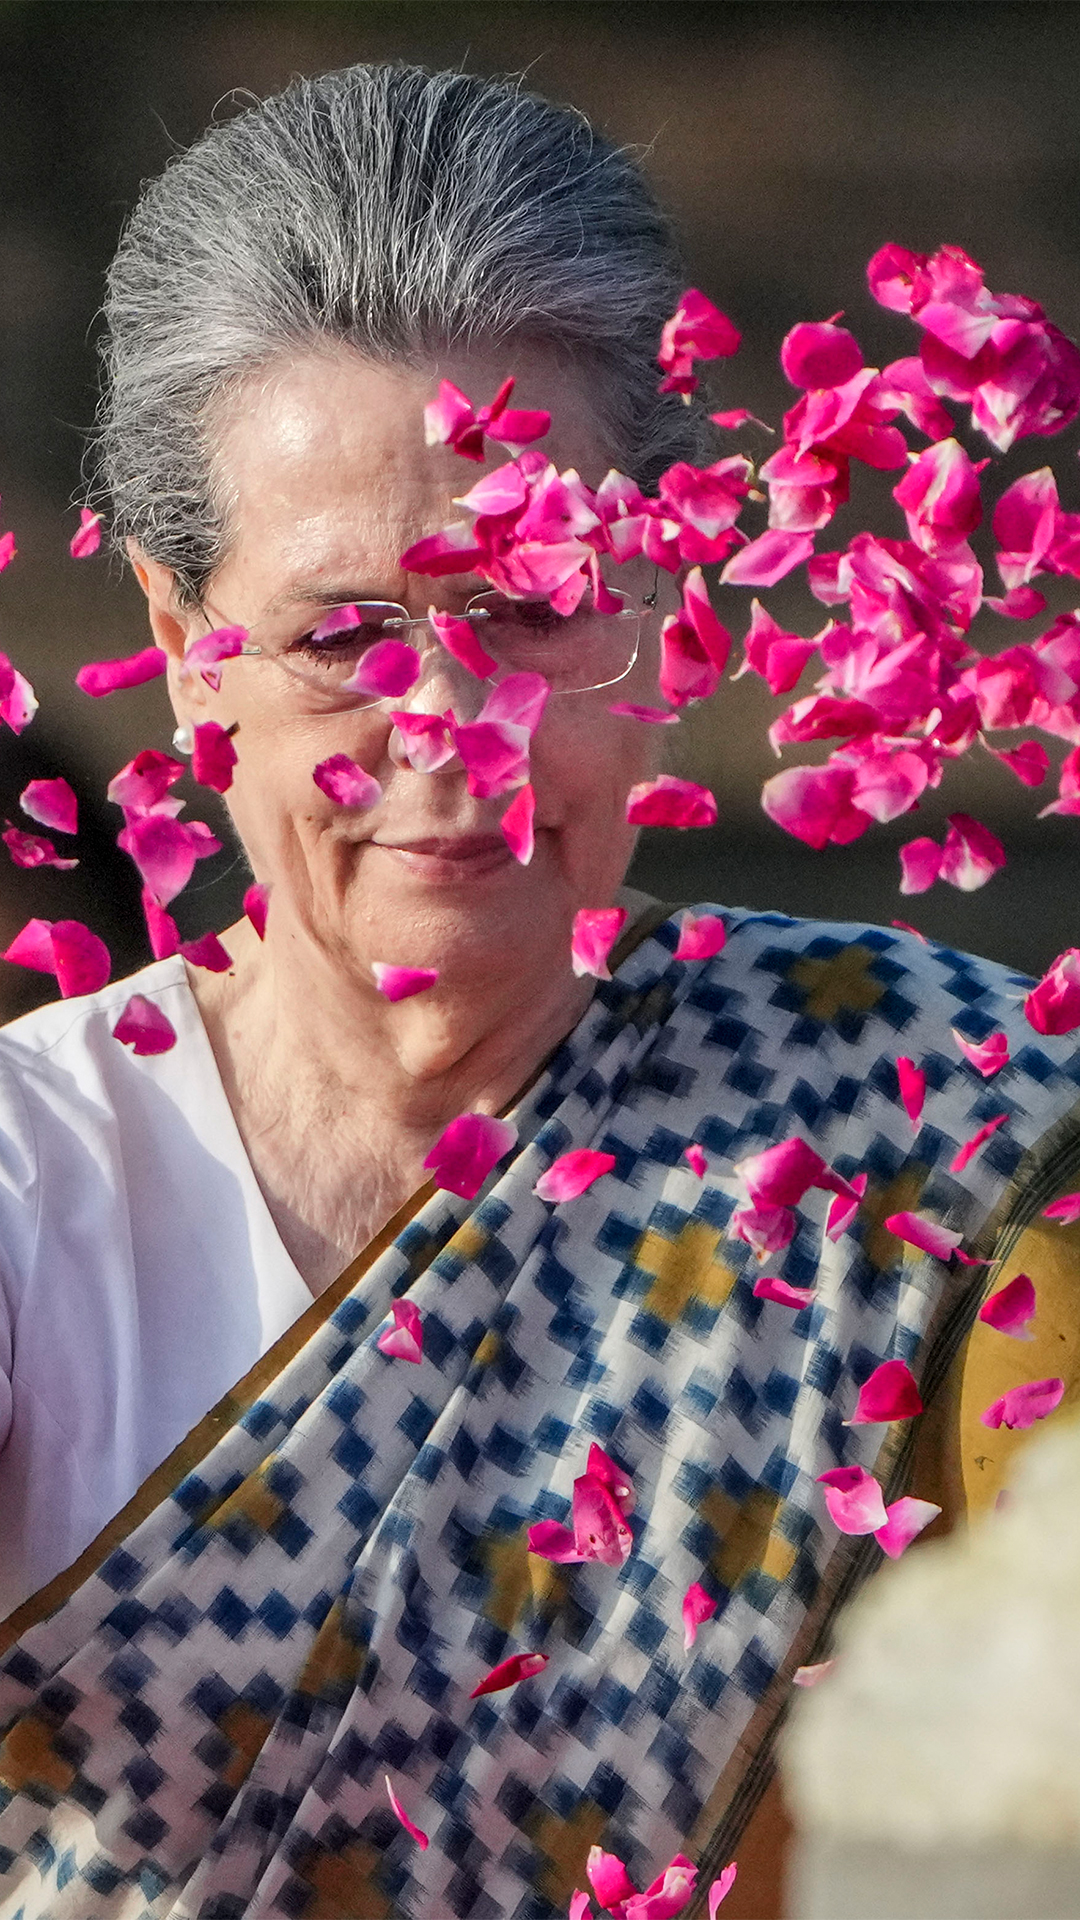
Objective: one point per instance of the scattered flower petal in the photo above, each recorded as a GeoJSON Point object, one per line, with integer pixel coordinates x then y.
{"type": "Point", "coordinates": [88, 538]}
{"type": "Point", "coordinates": [912, 1081]}
{"type": "Point", "coordinates": [765, 1229]}
{"type": "Point", "coordinates": [163, 849]}
{"type": "Point", "coordinates": [986, 1056]}
{"type": "Point", "coordinates": [207, 951]}
{"type": "Point", "coordinates": [890, 1393]}
{"type": "Point", "coordinates": [213, 756]}
{"type": "Point", "coordinates": [942, 1242]}
{"type": "Point", "coordinates": [768, 559]}
{"type": "Point", "coordinates": [1054, 1005]}
{"type": "Point", "coordinates": [701, 937]}
{"type": "Point", "coordinates": [1067, 1209]}
{"type": "Point", "coordinates": [145, 781]}
{"type": "Point", "coordinates": [205, 655]}
{"type": "Point", "coordinates": [144, 1028]}
{"type": "Point", "coordinates": [520, 1666]}
{"type": "Point", "coordinates": [854, 1499]}
{"type": "Point", "coordinates": [400, 983]}
{"type": "Point", "coordinates": [256, 904]}
{"type": "Point", "coordinates": [573, 1173]}
{"type": "Point", "coordinates": [609, 1878]}
{"type": "Point", "coordinates": [517, 826]}
{"type": "Point", "coordinates": [405, 1339]}
{"type": "Point", "coordinates": [426, 737]}
{"type": "Point", "coordinates": [1011, 1309]}
{"type": "Point", "coordinates": [410, 1826]}
{"type": "Point", "coordinates": [580, 1906]}
{"type": "Point", "coordinates": [467, 1150]}
{"type": "Point", "coordinates": [1023, 1405]}
{"type": "Point", "coordinates": [844, 1207]}
{"type": "Point", "coordinates": [550, 1540]}
{"type": "Point", "coordinates": [161, 928]}
{"type": "Point", "coordinates": [385, 671]}
{"type": "Point", "coordinates": [459, 637]}
{"type": "Point", "coordinates": [52, 803]}
{"type": "Point", "coordinates": [769, 1287]}
{"type": "Point", "coordinates": [32, 947]}
{"type": "Point", "coordinates": [695, 1159]}
{"type": "Point", "coordinates": [33, 850]}
{"type": "Point", "coordinates": [670, 802]}
{"type": "Point", "coordinates": [652, 716]}
{"type": "Point", "coordinates": [809, 1676]}
{"type": "Point", "coordinates": [111, 676]}
{"type": "Point", "coordinates": [906, 1519]}
{"type": "Point", "coordinates": [82, 961]}
{"type": "Point", "coordinates": [971, 1147]}
{"type": "Point", "coordinates": [722, 1886]}
{"type": "Point", "coordinates": [781, 1175]}
{"type": "Point", "coordinates": [697, 330]}
{"type": "Point", "coordinates": [341, 779]}
{"type": "Point", "coordinates": [595, 931]}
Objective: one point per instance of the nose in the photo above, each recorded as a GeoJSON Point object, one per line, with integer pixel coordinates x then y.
{"type": "Point", "coordinates": [444, 685]}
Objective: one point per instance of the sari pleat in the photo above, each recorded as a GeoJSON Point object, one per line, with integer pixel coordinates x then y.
{"type": "Point", "coordinates": [300, 1601]}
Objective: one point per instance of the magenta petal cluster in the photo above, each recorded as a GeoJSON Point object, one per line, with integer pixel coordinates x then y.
{"type": "Point", "coordinates": [205, 655]}
{"type": "Point", "coordinates": [451, 420]}
{"type": "Point", "coordinates": [405, 1339]}
{"type": "Point", "coordinates": [520, 1666]}
{"type": "Point", "coordinates": [573, 1173]}
{"type": "Point", "coordinates": [854, 1499]}
{"type": "Point", "coordinates": [888, 1394]}
{"type": "Point", "coordinates": [342, 780]}
{"type": "Point", "coordinates": [697, 330]}
{"type": "Point", "coordinates": [1023, 1405]}
{"type": "Point", "coordinates": [467, 1151]}
{"type": "Point", "coordinates": [400, 983]}
{"type": "Point", "coordinates": [144, 1028]}
{"type": "Point", "coordinates": [111, 676]}
{"type": "Point", "coordinates": [783, 1174]}
{"type": "Point", "coordinates": [1012, 1309]}
{"type": "Point", "coordinates": [52, 803]}
{"type": "Point", "coordinates": [144, 782]}
{"type": "Point", "coordinates": [595, 932]}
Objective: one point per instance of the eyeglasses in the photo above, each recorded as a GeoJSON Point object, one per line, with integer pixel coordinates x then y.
{"type": "Point", "coordinates": [575, 653]}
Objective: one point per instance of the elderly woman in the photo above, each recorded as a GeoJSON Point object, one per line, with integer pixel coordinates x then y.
{"type": "Point", "coordinates": [412, 1384]}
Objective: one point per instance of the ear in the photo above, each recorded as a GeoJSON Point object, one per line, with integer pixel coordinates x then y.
{"type": "Point", "coordinates": [173, 626]}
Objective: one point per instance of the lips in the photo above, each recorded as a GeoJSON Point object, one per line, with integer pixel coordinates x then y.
{"type": "Point", "coordinates": [466, 846]}
{"type": "Point", "coordinates": [448, 859]}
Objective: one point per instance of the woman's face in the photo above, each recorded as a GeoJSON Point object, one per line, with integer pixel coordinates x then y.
{"type": "Point", "coordinates": [330, 481]}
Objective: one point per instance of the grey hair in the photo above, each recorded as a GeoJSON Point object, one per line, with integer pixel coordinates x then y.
{"type": "Point", "coordinates": [400, 212]}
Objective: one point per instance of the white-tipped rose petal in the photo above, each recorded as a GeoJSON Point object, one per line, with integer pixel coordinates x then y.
{"type": "Point", "coordinates": [809, 1676]}
{"type": "Point", "coordinates": [1012, 1309]}
{"type": "Point", "coordinates": [905, 1519]}
{"type": "Point", "coordinates": [467, 1151]}
{"type": "Point", "coordinates": [700, 938]}
{"type": "Point", "coordinates": [417, 1833]}
{"type": "Point", "coordinates": [400, 983]}
{"type": "Point", "coordinates": [52, 804]}
{"type": "Point", "coordinates": [986, 1056]}
{"type": "Point", "coordinates": [572, 1173]}
{"type": "Point", "coordinates": [405, 1339]}
{"type": "Point", "coordinates": [595, 932]}
{"type": "Point", "coordinates": [517, 825]}
{"type": "Point", "coordinates": [854, 1499]}
{"type": "Point", "coordinates": [769, 1287]}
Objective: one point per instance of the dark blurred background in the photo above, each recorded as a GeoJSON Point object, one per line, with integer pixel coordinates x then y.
{"type": "Point", "coordinates": [789, 140]}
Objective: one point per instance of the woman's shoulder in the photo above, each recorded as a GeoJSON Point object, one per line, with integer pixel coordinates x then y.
{"type": "Point", "coordinates": [66, 1034]}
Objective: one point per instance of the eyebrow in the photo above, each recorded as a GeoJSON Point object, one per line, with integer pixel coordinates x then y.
{"type": "Point", "coordinates": [312, 595]}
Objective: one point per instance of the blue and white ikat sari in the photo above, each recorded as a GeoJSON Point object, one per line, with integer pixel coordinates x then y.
{"type": "Point", "coordinates": [303, 1598]}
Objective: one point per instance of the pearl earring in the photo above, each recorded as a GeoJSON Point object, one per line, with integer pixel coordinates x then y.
{"type": "Point", "coordinates": [184, 739]}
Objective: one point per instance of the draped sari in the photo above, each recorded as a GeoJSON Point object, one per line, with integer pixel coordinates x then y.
{"type": "Point", "coordinates": [200, 1714]}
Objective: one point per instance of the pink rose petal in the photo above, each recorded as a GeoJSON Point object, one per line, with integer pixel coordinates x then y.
{"type": "Point", "coordinates": [768, 559]}
{"type": "Point", "coordinates": [573, 1173]}
{"type": "Point", "coordinates": [920, 863]}
{"type": "Point", "coordinates": [205, 655]}
{"type": "Point", "coordinates": [695, 1159]}
{"type": "Point", "coordinates": [495, 755]}
{"type": "Point", "coordinates": [8, 550]}
{"type": "Point", "coordinates": [765, 1229]}
{"type": "Point", "coordinates": [942, 1242]}
{"type": "Point", "coordinates": [34, 850]}
{"type": "Point", "coordinates": [256, 903]}
{"type": "Point", "coordinates": [144, 1028]}
{"type": "Point", "coordinates": [697, 1607]}
{"type": "Point", "coordinates": [1023, 1405]}
{"type": "Point", "coordinates": [1029, 761]}
{"type": "Point", "coordinates": [467, 1150]}
{"type": "Point", "coordinates": [670, 802]}
{"type": "Point", "coordinates": [844, 1207]}
{"type": "Point", "coordinates": [163, 849]}
{"type": "Point", "coordinates": [770, 1287]}
{"type": "Point", "coordinates": [207, 951]}
{"type": "Point", "coordinates": [52, 803]}
{"type": "Point", "coordinates": [854, 1499]}
{"type": "Point", "coordinates": [809, 1676]}
{"type": "Point", "coordinates": [602, 1467]}
{"type": "Point", "coordinates": [400, 983]}
{"type": "Point", "coordinates": [385, 671]}
{"type": "Point", "coordinates": [518, 701]}
{"type": "Point", "coordinates": [1067, 1209]}
{"type": "Point", "coordinates": [145, 780]}
{"type": "Point", "coordinates": [986, 1056]}
{"type": "Point", "coordinates": [971, 1147]}
{"type": "Point", "coordinates": [520, 1666]}
{"type": "Point", "coordinates": [405, 1339]}
{"type": "Point", "coordinates": [890, 1393]}
{"type": "Point", "coordinates": [342, 780]}
{"type": "Point", "coordinates": [912, 1088]}
{"type": "Point", "coordinates": [426, 738]}
{"type": "Point", "coordinates": [906, 1519]}
{"type": "Point", "coordinates": [971, 854]}
{"type": "Point", "coordinates": [668, 1894]}
{"type": "Point", "coordinates": [819, 354]}
{"type": "Point", "coordinates": [161, 928]}
{"type": "Point", "coordinates": [595, 931]}
{"type": "Point", "coordinates": [213, 756]}
{"type": "Point", "coordinates": [700, 938]}
{"type": "Point", "coordinates": [781, 1175]}
{"type": "Point", "coordinates": [600, 1529]}
{"type": "Point", "coordinates": [652, 716]}
{"type": "Point", "coordinates": [415, 1832]}
{"type": "Point", "coordinates": [1011, 1309]}
{"type": "Point", "coordinates": [19, 704]}
{"type": "Point", "coordinates": [88, 538]}
{"type": "Point", "coordinates": [516, 825]}
{"type": "Point", "coordinates": [459, 637]}
{"type": "Point", "coordinates": [609, 1878]}
{"type": "Point", "coordinates": [111, 676]}
{"type": "Point", "coordinates": [82, 961]}
{"type": "Point", "coordinates": [550, 1540]}
{"type": "Point", "coordinates": [721, 1887]}
{"type": "Point", "coordinates": [1054, 1005]}
{"type": "Point", "coordinates": [33, 947]}
{"type": "Point", "coordinates": [580, 1906]}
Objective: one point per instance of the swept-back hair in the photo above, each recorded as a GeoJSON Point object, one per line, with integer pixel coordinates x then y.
{"type": "Point", "coordinates": [400, 212]}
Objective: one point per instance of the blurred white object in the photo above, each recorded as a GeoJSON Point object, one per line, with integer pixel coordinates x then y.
{"type": "Point", "coordinates": [935, 1773]}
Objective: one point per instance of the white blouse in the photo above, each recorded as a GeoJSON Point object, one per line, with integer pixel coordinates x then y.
{"type": "Point", "coordinates": [141, 1273]}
